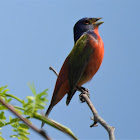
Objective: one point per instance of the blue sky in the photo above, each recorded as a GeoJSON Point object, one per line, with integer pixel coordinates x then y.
{"type": "Point", "coordinates": [36, 34]}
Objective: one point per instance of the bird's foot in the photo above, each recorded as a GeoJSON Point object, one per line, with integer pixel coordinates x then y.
{"type": "Point", "coordinates": [83, 91]}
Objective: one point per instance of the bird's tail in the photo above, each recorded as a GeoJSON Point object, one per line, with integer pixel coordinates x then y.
{"type": "Point", "coordinates": [47, 113]}
{"type": "Point", "coordinates": [69, 97]}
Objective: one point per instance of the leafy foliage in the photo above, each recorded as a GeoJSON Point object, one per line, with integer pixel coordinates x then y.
{"type": "Point", "coordinates": [36, 102]}
{"type": "Point", "coordinates": [20, 129]}
{"type": "Point", "coordinates": [27, 108]}
{"type": "Point", "coordinates": [2, 119]}
{"type": "Point", "coordinates": [3, 92]}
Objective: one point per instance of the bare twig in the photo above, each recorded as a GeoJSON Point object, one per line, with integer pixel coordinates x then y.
{"type": "Point", "coordinates": [12, 109]}
{"type": "Point", "coordinates": [97, 118]}
{"type": "Point", "coordinates": [51, 68]}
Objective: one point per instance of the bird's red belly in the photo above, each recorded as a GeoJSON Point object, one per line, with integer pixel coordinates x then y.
{"type": "Point", "coordinates": [93, 65]}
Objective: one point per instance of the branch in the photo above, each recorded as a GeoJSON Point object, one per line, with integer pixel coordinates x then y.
{"type": "Point", "coordinates": [97, 118]}
{"type": "Point", "coordinates": [51, 68]}
{"type": "Point", "coordinates": [84, 95]}
{"type": "Point", "coordinates": [55, 124]}
{"type": "Point", "coordinates": [12, 109]}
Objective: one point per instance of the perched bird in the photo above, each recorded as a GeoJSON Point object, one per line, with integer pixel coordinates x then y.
{"type": "Point", "coordinates": [82, 63]}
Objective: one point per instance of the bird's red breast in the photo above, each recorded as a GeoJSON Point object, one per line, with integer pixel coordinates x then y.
{"type": "Point", "coordinates": [95, 59]}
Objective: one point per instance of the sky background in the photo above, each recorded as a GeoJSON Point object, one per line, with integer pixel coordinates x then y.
{"type": "Point", "coordinates": [36, 34]}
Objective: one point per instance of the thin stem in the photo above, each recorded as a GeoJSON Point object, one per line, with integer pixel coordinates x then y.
{"type": "Point", "coordinates": [20, 108]}
{"type": "Point", "coordinates": [16, 121]}
{"type": "Point", "coordinates": [10, 95]}
{"type": "Point", "coordinates": [51, 68]}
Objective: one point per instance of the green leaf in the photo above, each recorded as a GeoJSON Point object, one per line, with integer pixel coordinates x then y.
{"type": "Point", "coordinates": [10, 118]}
{"type": "Point", "coordinates": [14, 120]}
{"type": "Point", "coordinates": [29, 110]}
{"type": "Point", "coordinates": [2, 116]}
{"type": "Point", "coordinates": [15, 130]}
{"type": "Point", "coordinates": [32, 87]}
{"type": "Point", "coordinates": [30, 97]}
{"type": "Point", "coordinates": [42, 93]}
{"type": "Point", "coordinates": [15, 125]}
{"type": "Point", "coordinates": [27, 104]}
{"type": "Point", "coordinates": [38, 106]}
{"type": "Point", "coordinates": [14, 136]}
{"type": "Point", "coordinates": [1, 138]}
{"type": "Point", "coordinates": [24, 126]}
{"type": "Point", "coordinates": [4, 92]}
{"type": "Point", "coordinates": [1, 124]}
{"type": "Point", "coordinates": [22, 131]}
{"type": "Point", "coordinates": [3, 107]}
{"type": "Point", "coordinates": [19, 108]}
{"type": "Point", "coordinates": [23, 137]}
{"type": "Point", "coordinates": [2, 88]}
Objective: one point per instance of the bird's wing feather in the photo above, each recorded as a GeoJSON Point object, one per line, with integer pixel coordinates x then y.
{"type": "Point", "coordinates": [78, 60]}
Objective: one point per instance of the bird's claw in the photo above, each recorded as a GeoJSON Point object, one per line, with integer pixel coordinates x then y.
{"type": "Point", "coordinates": [84, 91]}
{"type": "Point", "coordinates": [81, 98]}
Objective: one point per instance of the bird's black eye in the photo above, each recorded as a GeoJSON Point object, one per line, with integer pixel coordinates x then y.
{"type": "Point", "coordinates": [86, 22]}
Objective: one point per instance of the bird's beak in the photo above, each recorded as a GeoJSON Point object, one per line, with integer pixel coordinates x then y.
{"type": "Point", "coordinates": [95, 19]}
{"type": "Point", "coordinates": [97, 23]}
{"type": "Point", "coordinates": [98, 19]}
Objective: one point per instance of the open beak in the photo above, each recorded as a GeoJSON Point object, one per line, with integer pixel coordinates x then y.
{"type": "Point", "coordinates": [97, 23]}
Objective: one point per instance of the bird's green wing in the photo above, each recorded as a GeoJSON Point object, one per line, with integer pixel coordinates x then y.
{"type": "Point", "coordinates": [78, 60]}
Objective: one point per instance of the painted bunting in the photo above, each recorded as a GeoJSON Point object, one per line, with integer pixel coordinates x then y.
{"type": "Point", "coordinates": [82, 63]}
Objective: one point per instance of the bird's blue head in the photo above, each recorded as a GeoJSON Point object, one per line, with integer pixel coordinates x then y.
{"type": "Point", "coordinates": [84, 25]}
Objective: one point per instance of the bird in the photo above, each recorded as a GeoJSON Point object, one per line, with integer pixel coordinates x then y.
{"type": "Point", "coordinates": [82, 63]}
